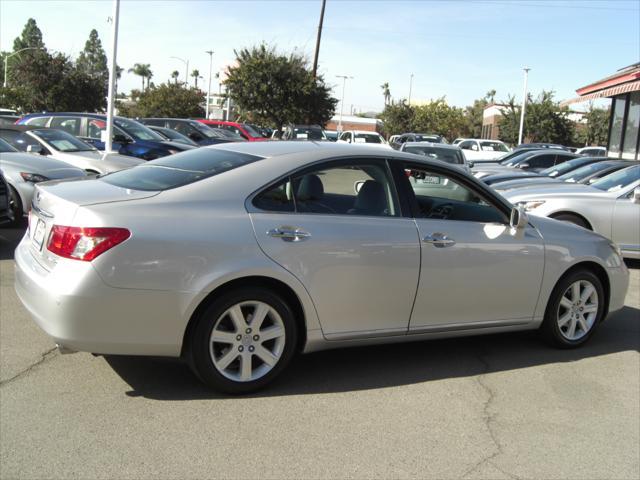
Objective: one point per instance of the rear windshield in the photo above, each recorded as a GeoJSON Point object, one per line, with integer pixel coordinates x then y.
{"type": "Point", "coordinates": [178, 170]}
{"type": "Point", "coordinates": [448, 155]}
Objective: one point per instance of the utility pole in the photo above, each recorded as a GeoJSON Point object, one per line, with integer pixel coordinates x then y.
{"type": "Point", "coordinates": [315, 58]}
{"type": "Point", "coordinates": [108, 147]}
{"type": "Point", "coordinates": [210, 52]}
{"type": "Point", "coordinates": [524, 104]}
{"type": "Point", "coordinates": [410, 87]}
{"type": "Point", "coordinates": [186, 70]}
{"type": "Point", "coordinates": [344, 81]}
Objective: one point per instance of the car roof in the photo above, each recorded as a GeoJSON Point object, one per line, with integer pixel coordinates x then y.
{"type": "Point", "coordinates": [434, 145]}
{"type": "Point", "coordinates": [22, 128]}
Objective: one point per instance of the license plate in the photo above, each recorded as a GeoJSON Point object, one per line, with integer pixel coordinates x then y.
{"type": "Point", "coordinates": [433, 180]}
{"type": "Point", "coordinates": [38, 234]}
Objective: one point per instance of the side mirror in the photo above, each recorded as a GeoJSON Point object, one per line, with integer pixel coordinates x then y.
{"type": "Point", "coordinates": [358, 185]}
{"type": "Point", "coordinates": [519, 218]}
{"type": "Point", "coordinates": [35, 149]}
{"type": "Point", "coordinates": [636, 195]}
{"type": "Point", "coordinates": [470, 164]}
{"type": "Point", "coordinates": [523, 165]}
{"type": "Point", "coordinates": [119, 138]}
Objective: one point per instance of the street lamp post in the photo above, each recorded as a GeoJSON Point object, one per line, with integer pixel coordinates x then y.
{"type": "Point", "coordinates": [210, 52]}
{"type": "Point", "coordinates": [4, 85]}
{"type": "Point", "coordinates": [524, 104]}
{"type": "Point", "coordinates": [108, 147]}
{"type": "Point", "coordinates": [344, 81]}
{"type": "Point", "coordinates": [410, 87]}
{"type": "Point", "coordinates": [186, 69]}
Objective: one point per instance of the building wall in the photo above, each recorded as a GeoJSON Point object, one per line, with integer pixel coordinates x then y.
{"type": "Point", "coordinates": [490, 128]}
{"type": "Point", "coordinates": [333, 125]}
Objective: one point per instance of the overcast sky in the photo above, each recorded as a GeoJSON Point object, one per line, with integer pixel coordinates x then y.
{"type": "Point", "coordinates": [457, 49]}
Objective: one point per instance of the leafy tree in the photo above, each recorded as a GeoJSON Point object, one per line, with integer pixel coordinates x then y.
{"type": "Point", "coordinates": [386, 93]}
{"type": "Point", "coordinates": [438, 117]}
{"type": "Point", "coordinates": [166, 100]}
{"type": "Point", "coordinates": [93, 60]}
{"type": "Point", "coordinates": [397, 117]}
{"type": "Point", "coordinates": [276, 89]}
{"type": "Point", "coordinates": [143, 70]}
{"type": "Point", "coordinates": [545, 121]}
{"type": "Point", "coordinates": [596, 130]}
{"type": "Point", "coordinates": [31, 37]}
{"type": "Point", "coordinates": [175, 74]}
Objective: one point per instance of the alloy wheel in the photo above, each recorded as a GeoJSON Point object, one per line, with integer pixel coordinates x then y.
{"type": "Point", "coordinates": [578, 310]}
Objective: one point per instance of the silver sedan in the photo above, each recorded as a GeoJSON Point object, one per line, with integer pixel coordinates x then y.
{"type": "Point", "coordinates": [610, 206]}
{"type": "Point", "coordinates": [238, 256]}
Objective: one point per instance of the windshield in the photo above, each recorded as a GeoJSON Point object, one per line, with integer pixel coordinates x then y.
{"type": "Point", "coordinates": [137, 130]}
{"type": "Point", "coordinates": [5, 147]}
{"type": "Point", "coordinates": [62, 141]}
{"type": "Point", "coordinates": [251, 131]}
{"type": "Point", "coordinates": [618, 180]}
{"type": "Point", "coordinates": [204, 130]}
{"type": "Point", "coordinates": [447, 155]}
{"type": "Point", "coordinates": [493, 147]}
{"type": "Point", "coordinates": [178, 170]}
{"type": "Point", "coordinates": [583, 172]}
{"type": "Point", "coordinates": [515, 159]}
{"type": "Point", "coordinates": [309, 133]}
{"type": "Point", "coordinates": [368, 138]}
{"type": "Point", "coordinates": [564, 167]}
{"type": "Point", "coordinates": [428, 138]}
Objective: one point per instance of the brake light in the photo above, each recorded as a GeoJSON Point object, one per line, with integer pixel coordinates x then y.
{"type": "Point", "coordinates": [84, 244]}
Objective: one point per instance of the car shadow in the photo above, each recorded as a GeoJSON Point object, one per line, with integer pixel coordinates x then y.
{"type": "Point", "coordinates": [366, 368]}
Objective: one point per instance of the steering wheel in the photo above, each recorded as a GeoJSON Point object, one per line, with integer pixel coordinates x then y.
{"type": "Point", "coordinates": [442, 212]}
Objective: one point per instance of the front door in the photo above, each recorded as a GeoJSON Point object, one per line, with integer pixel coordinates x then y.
{"type": "Point", "coordinates": [625, 228]}
{"type": "Point", "coordinates": [339, 230]}
{"type": "Point", "coordinates": [476, 270]}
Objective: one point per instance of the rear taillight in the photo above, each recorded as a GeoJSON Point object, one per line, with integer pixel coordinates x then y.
{"type": "Point", "coordinates": [84, 243]}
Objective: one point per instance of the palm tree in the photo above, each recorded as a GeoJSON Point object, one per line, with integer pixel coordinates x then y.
{"type": "Point", "coordinates": [490, 95]}
{"type": "Point", "coordinates": [143, 70]}
{"type": "Point", "coordinates": [386, 93]}
{"type": "Point", "coordinates": [174, 75]}
{"type": "Point", "coordinates": [148, 76]}
{"type": "Point", "coordinates": [196, 75]}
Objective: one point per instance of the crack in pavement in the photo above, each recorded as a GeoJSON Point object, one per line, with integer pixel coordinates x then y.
{"type": "Point", "coordinates": [45, 357]}
{"type": "Point", "coordinates": [489, 420]}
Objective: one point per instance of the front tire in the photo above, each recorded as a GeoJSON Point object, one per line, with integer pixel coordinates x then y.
{"type": "Point", "coordinates": [243, 340]}
{"type": "Point", "coordinates": [575, 309]}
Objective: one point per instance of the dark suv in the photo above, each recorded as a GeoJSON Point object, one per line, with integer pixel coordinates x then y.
{"type": "Point", "coordinates": [129, 138]}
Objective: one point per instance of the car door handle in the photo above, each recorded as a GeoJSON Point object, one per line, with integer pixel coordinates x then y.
{"type": "Point", "coordinates": [289, 234]}
{"type": "Point", "coordinates": [439, 240]}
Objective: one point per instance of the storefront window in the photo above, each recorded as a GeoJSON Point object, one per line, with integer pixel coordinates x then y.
{"type": "Point", "coordinates": [616, 126]}
{"type": "Point", "coordinates": [629, 149]}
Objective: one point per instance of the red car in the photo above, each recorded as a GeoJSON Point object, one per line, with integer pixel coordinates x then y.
{"type": "Point", "coordinates": [242, 129]}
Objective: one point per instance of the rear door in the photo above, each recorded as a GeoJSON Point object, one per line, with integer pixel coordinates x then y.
{"type": "Point", "coordinates": [476, 271]}
{"type": "Point", "coordinates": [338, 228]}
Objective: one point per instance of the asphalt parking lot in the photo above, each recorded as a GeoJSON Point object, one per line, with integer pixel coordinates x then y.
{"type": "Point", "coordinates": [503, 406]}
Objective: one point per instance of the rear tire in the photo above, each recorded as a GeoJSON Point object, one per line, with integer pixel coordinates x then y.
{"type": "Point", "coordinates": [575, 219]}
{"type": "Point", "coordinates": [15, 204]}
{"type": "Point", "coordinates": [575, 309]}
{"type": "Point", "coordinates": [243, 340]}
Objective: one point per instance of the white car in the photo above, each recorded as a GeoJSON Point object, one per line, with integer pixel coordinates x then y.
{"type": "Point", "coordinates": [592, 151]}
{"type": "Point", "coordinates": [478, 150]}
{"type": "Point", "coordinates": [373, 139]}
{"type": "Point", "coordinates": [63, 146]}
{"type": "Point", "coordinates": [610, 206]}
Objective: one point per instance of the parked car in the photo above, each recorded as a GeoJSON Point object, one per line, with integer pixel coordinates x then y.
{"type": "Point", "coordinates": [332, 135]}
{"type": "Point", "coordinates": [23, 170]}
{"type": "Point", "coordinates": [416, 137]}
{"type": "Point", "coordinates": [551, 172]}
{"type": "Point", "coordinates": [242, 129]}
{"type": "Point", "coordinates": [528, 161]}
{"type": "Point", "coordinates": [537, 146]}
{"type": "Point", "coordinates": [173, 135]}
{"type": "Point", "coordinates": [479, 150]}
{"type": "Point", "coordinates": [196, 131]}
{"type": "Point", "coordinates": [303, 132]}
{"type": "Point", "coordinates": [457, 141]}
{"type": "Point", "coordinates": [437, 151]}
{"type": "Point", "coordinates": [130, 137]}
{"type": "Point", "coordinates": [9, 119]}
{"type": "Point", "coordinates": [364, 137]}
{"type": "Point", "coordinates": [587, 175]}
{"type": "Point", "coordinates": [610, 206]}
{"type": "Point", "coordinates": [307, 246]}
{"type": "Point", "coordinates": [592, 151]}
{"type": "Point", "coordinates": [60, 145]}
{"type": "Point", "coordinates": [6, 214]}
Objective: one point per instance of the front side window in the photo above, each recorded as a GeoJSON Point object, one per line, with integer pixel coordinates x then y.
{"type": "Point", "coordinates": [38, 121]}
{"type": "Point", "coordinates": [440, 196]}
{"type": "Point", "coordinates": [541, 161]}
{"type": "Point", "coordinates": [368, 138]}
{"type": "Point", "coordinates": [356, 189]}
{"type": "Point", "coordinates": [493, 147]}
{"type": "Point", "coordinates": [467, 144]}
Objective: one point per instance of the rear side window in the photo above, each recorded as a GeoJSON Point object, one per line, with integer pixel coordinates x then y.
{"type": "Point", "coordinates": [38, 121]}
{"type": "Point", "coordinates": [178, 170]}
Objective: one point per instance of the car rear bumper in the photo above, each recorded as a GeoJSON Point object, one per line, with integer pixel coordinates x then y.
{"type": "Point", "coordinates": [80, 312]}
